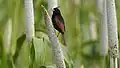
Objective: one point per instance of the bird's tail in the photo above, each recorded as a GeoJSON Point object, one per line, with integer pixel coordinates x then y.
{"type": "Point", "coordinates": [64, 40]}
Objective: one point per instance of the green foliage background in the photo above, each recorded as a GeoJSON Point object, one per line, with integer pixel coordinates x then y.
{"type": "Point", "coordinates": [78, 53]}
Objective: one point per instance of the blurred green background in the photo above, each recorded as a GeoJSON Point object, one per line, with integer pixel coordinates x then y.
{"type": "Point", "coordinates": [83, 39]}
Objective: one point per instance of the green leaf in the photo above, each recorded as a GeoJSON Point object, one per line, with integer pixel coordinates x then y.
{"type": "Point", "coordinates": [43, 55]}
{"type": "Point", "coordinates": [4, 55]}
{"type": "Point", "coordinates": [20, 42]}
{"type": "Point", "coordinates": [32, 55]}
{"type": "Point", "coordinates": [23, 59]}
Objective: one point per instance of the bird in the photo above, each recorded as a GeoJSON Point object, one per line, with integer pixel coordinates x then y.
{"type": "Point", "coordinates": [58, 22]}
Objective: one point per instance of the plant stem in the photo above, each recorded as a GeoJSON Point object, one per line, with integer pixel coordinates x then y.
{"type": "Point", "coordinates": [29, 19]}
{"type": "Point", "coordinates": [56, 48]}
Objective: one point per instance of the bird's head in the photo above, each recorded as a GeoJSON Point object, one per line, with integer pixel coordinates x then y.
{"type": "Point", "coordinates": [56, 10]}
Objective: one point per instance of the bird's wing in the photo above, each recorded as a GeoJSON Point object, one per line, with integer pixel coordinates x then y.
{"type": "Point", "coordinates": [59, 23]}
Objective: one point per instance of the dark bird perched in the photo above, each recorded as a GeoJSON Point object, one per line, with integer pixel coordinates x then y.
{"type": "Point", "coordinates": [58, 22]}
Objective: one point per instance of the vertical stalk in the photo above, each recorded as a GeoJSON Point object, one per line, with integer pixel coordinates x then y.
{"type": "Point", "coordinates": [7, 36]}
{"type": "Point", "coordinates": [111, 62]}
{"type": "Point", "coordinates": [116, 65]}
{"type": "Point", "coordinates": [29, 19]}
{"type": "Point", "coordinates": [92, 26]}
{"type": "Point", "coordinates": [51, 4]}
{"type": "Point", "coordinates": [56, 49]}
{"type": "Point", "coordinates": [99, 4]}
{"type": "Point", "coordinates": [112, 30]}
{"type": "Point", "coordinates": [104, 31]}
